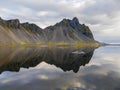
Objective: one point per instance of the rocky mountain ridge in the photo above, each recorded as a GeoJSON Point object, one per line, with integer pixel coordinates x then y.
{"type": "Point", "coordinates": [12, 31]}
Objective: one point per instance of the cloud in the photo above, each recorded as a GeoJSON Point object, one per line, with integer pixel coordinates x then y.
{"type": "Point", "coordinates": [103, 17]}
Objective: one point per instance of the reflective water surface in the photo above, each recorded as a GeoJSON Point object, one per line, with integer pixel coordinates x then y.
{"type": "Point", "coordinates": [36, 68]}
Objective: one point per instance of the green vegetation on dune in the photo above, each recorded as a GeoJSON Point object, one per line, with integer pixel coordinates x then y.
{"type": "Point", "coordinates": [53, 44]}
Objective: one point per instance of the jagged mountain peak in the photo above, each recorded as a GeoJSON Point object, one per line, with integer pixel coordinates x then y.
{"type": "Point", "coordinates": [75, 20]}
{"type": "Point", "coordinates": [64, 31]}
{"type": "Point", "coordinates": [72, 22]}
{"type": "Point", "coordinates": [31, 27]}
{"type": "Point", "coordinates": [14, 23]}
{"type": "Point", "coordinates": [63, 22]}
{"type": "Point", "coordinates": [69, 30]}
{"type": "Point", "coordinates": [28, 25]}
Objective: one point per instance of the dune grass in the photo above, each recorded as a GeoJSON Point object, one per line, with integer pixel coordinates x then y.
{"type": "Point", "coordinates": [53, 44]}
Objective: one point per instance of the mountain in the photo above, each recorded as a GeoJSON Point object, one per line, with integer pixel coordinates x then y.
{"type": "Point", "coordinates": [12, 31]}
{"type": "Point", "coordinates": [69, 31]}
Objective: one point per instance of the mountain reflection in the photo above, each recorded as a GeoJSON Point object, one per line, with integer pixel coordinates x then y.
{"type": "Point", "coordinates": [13, 58]}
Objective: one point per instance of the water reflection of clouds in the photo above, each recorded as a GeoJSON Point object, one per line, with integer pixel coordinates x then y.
{"type": "Point", "coordinates": [100, 78]}
{"type": "Point", "coordinates": [107, 55]}
{"type": "Point", "coordinates": [102, 73]}
{"type": "Point", "coordinates": [44, 65]}
{"type": "Point", "coordinates": [92, 77]}
{"type": "Point", "coordinates": [39, 78]}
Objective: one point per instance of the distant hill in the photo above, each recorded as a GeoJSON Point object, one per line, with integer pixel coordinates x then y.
{"type": "Point", "coordinates": [12, 31]}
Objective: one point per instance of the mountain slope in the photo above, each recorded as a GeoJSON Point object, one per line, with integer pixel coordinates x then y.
{"type": "Point", "coordinates": [69, 31]}
{"type": "Point", "coordinates": [12, 31]}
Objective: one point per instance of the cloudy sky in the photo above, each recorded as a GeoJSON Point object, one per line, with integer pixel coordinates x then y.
{"type": "Point", "coordinates": [102, 16]}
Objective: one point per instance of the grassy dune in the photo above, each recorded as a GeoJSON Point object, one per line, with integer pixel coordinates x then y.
{"type": "Point", "coordinates": [53, 44]}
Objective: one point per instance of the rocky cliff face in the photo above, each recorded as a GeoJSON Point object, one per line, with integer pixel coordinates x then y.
{"type": "Point", "coordinates": [69, 30]}
{"type": "Point", "coordinates": [12, 31]}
